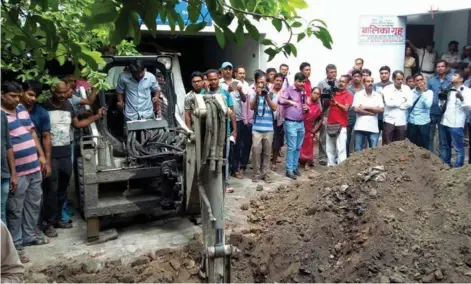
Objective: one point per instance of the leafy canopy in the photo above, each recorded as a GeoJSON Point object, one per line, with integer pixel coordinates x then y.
{"type": "Point", "coordinates": [36, 31]}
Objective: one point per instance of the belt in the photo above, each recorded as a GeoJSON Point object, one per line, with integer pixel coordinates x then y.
{"type": "Point", "coordinates": [427, 72]}
{"type": "Point", "coordinates": [292, 120]}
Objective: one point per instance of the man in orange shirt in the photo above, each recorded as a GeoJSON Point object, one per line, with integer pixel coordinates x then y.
{"type": "Point", "coordinates": [337, 122]}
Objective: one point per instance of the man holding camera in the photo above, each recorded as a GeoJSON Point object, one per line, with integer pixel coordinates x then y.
{"type": "Point", "coordinates": [418, 121]}
{"type": "Point", "coordinates": [327, 85]}
{"type": "Point", "coordinates": [263, 104]}
{"type": "Point", "coordinates": [454, 104]}
{"type": "Point", "coordinates": [293, 100]}
{"type": "Point", "coordinates": [397, 101]}
{"type": "Point", "coordinates": [337, 121]}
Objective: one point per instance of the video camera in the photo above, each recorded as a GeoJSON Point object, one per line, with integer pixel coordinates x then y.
{"type": "Point", "coordinates": [443, 93]}
{"type": "Point", "coordinates": [265, 91]}
{"type": "Point", "coordinates": [327, 93]}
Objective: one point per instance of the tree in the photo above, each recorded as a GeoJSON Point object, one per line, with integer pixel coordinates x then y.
{"type": "Point", "coordinates": [36, 31]}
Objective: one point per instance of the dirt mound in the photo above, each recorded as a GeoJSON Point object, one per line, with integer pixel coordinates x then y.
{"type": "Point", "coordinates": [163, 266]}
{"type": "Point", "coordinates": [392, 214]}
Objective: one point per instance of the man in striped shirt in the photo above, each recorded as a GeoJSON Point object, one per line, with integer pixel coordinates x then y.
{"type": "Point", "coordinates": [24, 203]}
{"type": "Point", "coordinates": [263, 104]}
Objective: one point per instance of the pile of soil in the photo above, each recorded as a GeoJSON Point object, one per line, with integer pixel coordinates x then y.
{"type": "Point", "coordinates": [391, 214]}
{"type": "Point", "coordinates": [163, 266]}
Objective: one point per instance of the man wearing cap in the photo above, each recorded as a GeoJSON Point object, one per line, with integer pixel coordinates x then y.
{"type": "Point", "coordinates": [427, 57]}
{"type": "Point", "coordinates": [235, 89]}
{"type": "Point", "coordinates": [453, 56]}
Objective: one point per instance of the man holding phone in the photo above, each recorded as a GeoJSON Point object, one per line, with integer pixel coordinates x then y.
{"type": "Point", "coordinates": [418, 120]}
{"type": "Point", "coordinates": [235, 89]}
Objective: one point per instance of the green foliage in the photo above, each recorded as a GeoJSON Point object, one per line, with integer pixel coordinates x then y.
{"type": "Point", "coordinates": [75, 30]}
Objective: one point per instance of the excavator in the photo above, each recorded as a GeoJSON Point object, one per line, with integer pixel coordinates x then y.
{"type": "Point", "coordinates": [157, 166]}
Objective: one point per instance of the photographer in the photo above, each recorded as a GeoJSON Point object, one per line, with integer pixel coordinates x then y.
{"type": "Point", "coordinates": [337, 121]}
{"type": "Point", "coordinates": [455, 105]}
{"type": "Point", "coordinates": [328, 86]}
{"type": "Point", "coordinates": [263, 105]}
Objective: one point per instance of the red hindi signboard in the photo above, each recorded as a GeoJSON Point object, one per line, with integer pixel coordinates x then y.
{"type": "Point", "coordinates": [388, 30]}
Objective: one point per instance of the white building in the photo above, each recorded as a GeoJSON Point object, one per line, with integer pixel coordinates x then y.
{"type": "Point", "coordinates": [445, 20]}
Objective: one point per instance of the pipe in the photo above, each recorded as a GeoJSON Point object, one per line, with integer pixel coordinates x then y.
{"type": "Point", "coordinates": [206, 203]}
{"type": "Point", "coordinates": [213, 155]}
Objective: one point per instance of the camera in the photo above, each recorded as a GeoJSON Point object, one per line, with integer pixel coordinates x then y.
{"type": "Point", "coordinates": [265, 91]}
{"type": "Point", "coordinates": [443, 93]}
{"type": "Point", "coordinates": [327, 93]}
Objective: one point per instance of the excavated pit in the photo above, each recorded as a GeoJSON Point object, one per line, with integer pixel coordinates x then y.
{"type": "Point", "coordinates": [391, 214]}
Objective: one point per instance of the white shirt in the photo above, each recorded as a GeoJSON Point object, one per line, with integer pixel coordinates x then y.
{"type": "Point", "coordinates": [396, 104]}
{"type": "Point", "coordinates": [428, 63]}
{"type": "Point", "coordinates": [235, 96]}
{"type": "Point", "coordinates": [451, 58]}
{"type": "Point", "coordinates": [456, 110]}
{"type": "Point", "coordinates": [368, 123]}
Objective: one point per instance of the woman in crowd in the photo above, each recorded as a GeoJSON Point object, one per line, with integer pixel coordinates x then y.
{"type": "Point", "coordinates": [312, 123]}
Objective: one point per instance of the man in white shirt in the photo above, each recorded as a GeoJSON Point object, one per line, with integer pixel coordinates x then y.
{"type": "Point", "coordinates": [418, 121]}
{"type": "Point", "coordinates": [453, 56]}
{"type": "Point", "coordinates": [455, 107]}
{"type": "Point", "coordinates": [397, 100]}
{"type": "Point", "coordinates": [367, 104]}
{"type": "Point", "coordinates": [427, 57]}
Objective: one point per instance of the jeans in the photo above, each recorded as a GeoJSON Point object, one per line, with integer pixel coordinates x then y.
{"type": "Point", "coordinates": [337, 148]}
{"type": "Point", "coordinates": [294, 136]}
{"type": "Point", "coordinates": [55, 189]}
{"type": "Point", "coordinates": [23, 209]}
{"type": "Point", "coordinates": [322, 141]}
{"type": "Point", "coordinates": [350, 132]}
{"type": "Point", "coordinates": [451, 137]}
{"type": "Point", "coordinates": [262, 144]}
{"type": "Point", "coordinates": [360, 137]}
{"type": "Point", "coordinates": [419, 134]}
{"type": "Point", "coordinates": [434, 124]}
{"type": "Point", "coordinates": [242, 147]}
{"type": "Point", "coordinates": [469, 141]}
{"type": "Point", "coordinates": [5, 191]}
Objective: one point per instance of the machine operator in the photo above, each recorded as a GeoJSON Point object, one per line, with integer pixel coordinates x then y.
{"type": "Point", "coordinates": [142, 93]}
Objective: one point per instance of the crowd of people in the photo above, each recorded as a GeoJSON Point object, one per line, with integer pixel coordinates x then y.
{"type": "Point", "coordinates": [339, 115]}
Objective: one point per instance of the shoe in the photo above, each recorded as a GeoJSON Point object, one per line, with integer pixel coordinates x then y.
{"type": "Point", "coordinates": [50, 232]}
{"type": "Point", "coordinates": [291, 175]}
{"type": "Point", "coordinates": [323, 163]}
{"type": "Point", "coordinates": [62, 225]}
{"type": "Point", "coordinates": [297, 172]}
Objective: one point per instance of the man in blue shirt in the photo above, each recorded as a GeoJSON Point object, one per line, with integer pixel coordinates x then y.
{"type": "Point", "coordinates": [141, 90]}
{"type": "Point", "coordinates": [418, 122]}
{"type": "Point", "coordinates": [439, 82]}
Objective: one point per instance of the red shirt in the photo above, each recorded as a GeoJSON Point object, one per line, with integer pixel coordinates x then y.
{"type": "Point", "coordinates": [307, 87]}
{"type": "Point", "coordinates": [337, 114]}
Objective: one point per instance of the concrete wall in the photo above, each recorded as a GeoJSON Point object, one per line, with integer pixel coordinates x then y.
{"type": "Point", "coordinates": [246, 55]}
{"type": "Point", "coordinates": [448, 26]}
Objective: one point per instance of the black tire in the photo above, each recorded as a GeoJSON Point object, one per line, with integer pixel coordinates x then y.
{"type": "Point", "coordinates": [80, 187]}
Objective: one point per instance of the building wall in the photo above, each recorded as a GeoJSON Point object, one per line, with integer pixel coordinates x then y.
{"type": "Point", "coordinates": [448, 26]}
{"type": "Point", "coordinates": [342, 18]}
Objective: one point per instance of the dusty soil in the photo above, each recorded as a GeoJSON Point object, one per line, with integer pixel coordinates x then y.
{"type": "Point", "coordinates": [392, 214]}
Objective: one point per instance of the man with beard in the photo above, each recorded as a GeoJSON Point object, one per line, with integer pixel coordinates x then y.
{"type": "Point", "coordinates": [62, 116]}
{"type": "Point", "coordinates": [384, 75]}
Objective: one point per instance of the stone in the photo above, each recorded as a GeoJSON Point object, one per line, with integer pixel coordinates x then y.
{"type": "Point", "coordinates": [259, 187]}
{"type": "Point", "coordinates": [183, 276]}
{"type": "Point", "coordinates": [140, 261]}
{"type": "Point", "coordinates": [438, 274]}
{"type": "Point", "coordinates": [396, 278]}
{"type": "Point", "coordinates": [373, 192]}
{"type": "Point", "coordinates": [244, 207]}
{"type": "Point", "coordinates": [429, 278]}
{"type": "Point", "coordinates": [175, 264]}
{"type": "Point", "coordinates": [384, 279]}
{"type": "Point", "coordinates": [92, 267]}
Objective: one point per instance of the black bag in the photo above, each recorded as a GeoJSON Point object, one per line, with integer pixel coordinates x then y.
{"type": "Point", "coordinates": [333, 130]}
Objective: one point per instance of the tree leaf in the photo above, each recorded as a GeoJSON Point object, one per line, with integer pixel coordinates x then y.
{"type": "Point", "coordinates": [149, 14]}
{"type": "Point", "coordinates": [253, 32]}
{"type": "Point", "coordinates": [296, 24]}
{"type": "Point", "coordinates": [267, 42]}
{"type": "Point", "coordinates": [220, 37]}
{"type": "Point", "coordinates": [239, 34]}
{"type": "Point", "coordinates": [102, 11]}
{"type": "Point", "coordinates": [324, 36]}
{"type": "Point", "coordinates": [61, 54]}
{"type": "Point", "coordinates": [271, 53]}
{"type": "Point", "coordinates": [239, 4]}
{"type": "Point", "coordinates": [229, 35]}
{"type": "Point", "coordinates": [121, 27]}
{"type": "Point", "coordinates": [194, 9]}
{"type": "Point", "coordinates": [92, 58]}
{"type": "Point", "coordinates": [293, 49]}
{"type": "Point", "coordinates": [301, 36]}
{"type": "Point", "coordinates": [298, 4]}
{"type": "Point", "coordinates": [193, 28]}
{"type": "Point", "coordinates": [277, 23]}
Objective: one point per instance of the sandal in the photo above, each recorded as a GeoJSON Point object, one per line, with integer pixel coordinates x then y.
{"type": "Point", "coordinates": [50, 232]}
{"type": "Point", "coordinates": [255, 179]}
{"type": "Point", "coordinates": [23, 258]}
{"type": "Point", "coordinates": [21, 251]}
{"type": "Point", "coordinates": [37, 242]}
{"type": "Point", "coordinates": [240, 174]}
{"type": "Point", "coordinates": [229, 190]}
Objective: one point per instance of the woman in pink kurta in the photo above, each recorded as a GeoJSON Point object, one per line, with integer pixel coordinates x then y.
{"type": "Point", "coordinates": [312, 122]}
